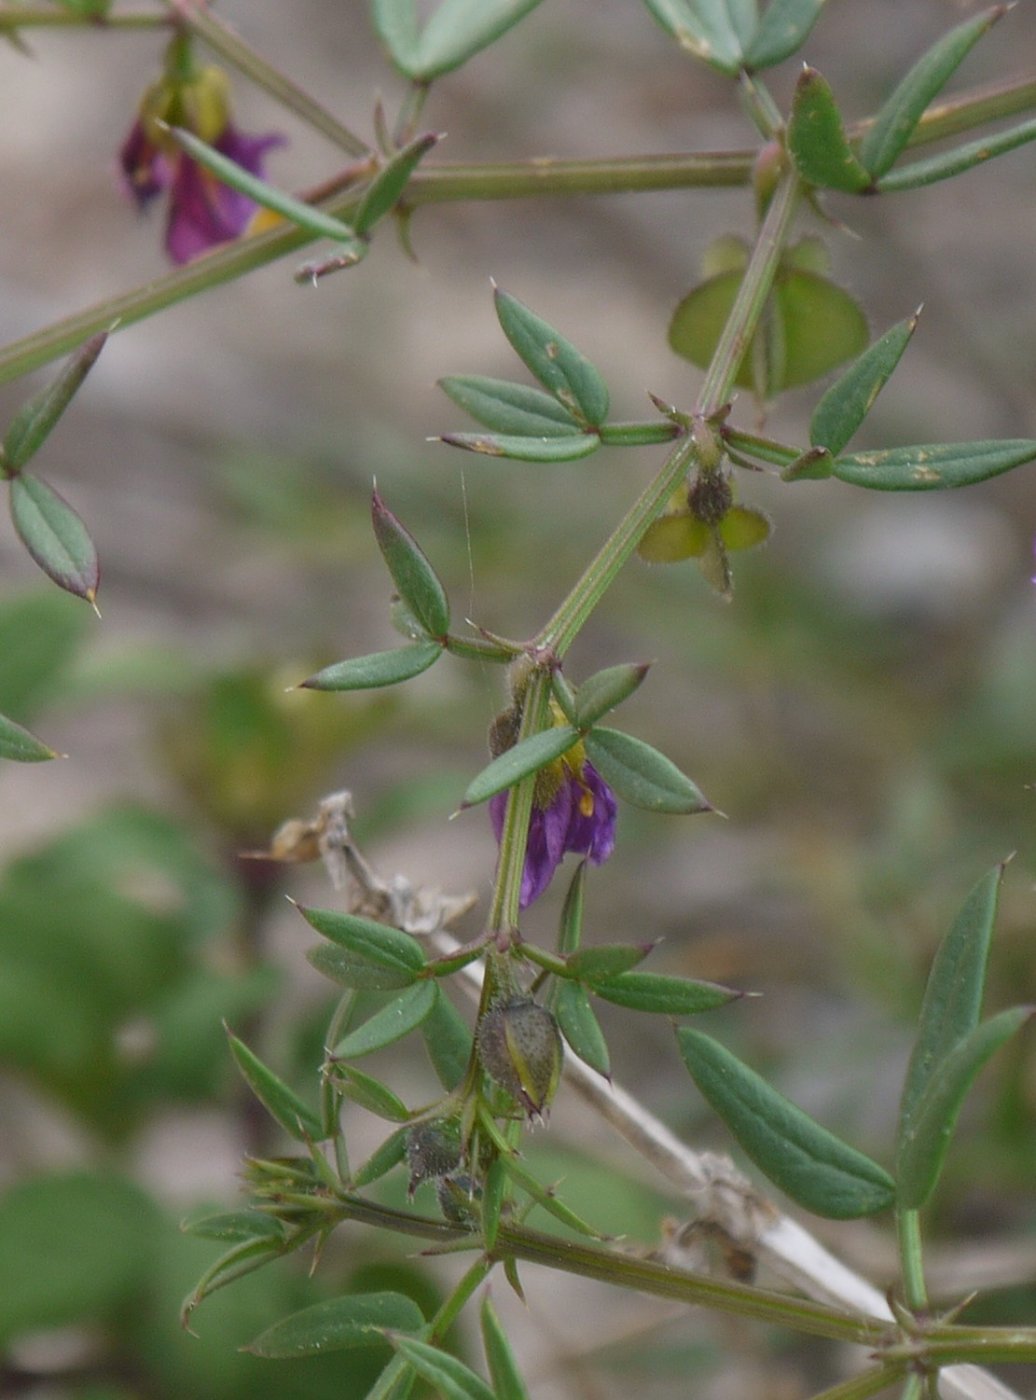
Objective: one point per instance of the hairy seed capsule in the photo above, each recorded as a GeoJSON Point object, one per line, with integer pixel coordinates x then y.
{"type": "Point", "coordinates": [710, 498]}
{"type": "Point", "coordinates": [432, 1151]}
{"type": "Point", "coordinates": [519, 1045]}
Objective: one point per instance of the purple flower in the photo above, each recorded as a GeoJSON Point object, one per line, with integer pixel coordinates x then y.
{"type": "Point", "coordinates": [573, 810]}
{"type": "Point", "coordinates": [202, 211]}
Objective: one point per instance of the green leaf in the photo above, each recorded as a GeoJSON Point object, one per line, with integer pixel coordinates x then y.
{"type": "Point", "coordinates": [383, 1159]}
{"type": "Point", "coordinates": [952, 1002]}
{"type": "Point", "coordinates": [396, 25]}
{"type": "Point", "coordinates": [580, 1027]}
{"type": "Point", "coordinates": [526, 449]}
{"type": "Point", "coordinates": [605, 961]}
{"type": "Point", "coordinates": [570, 930]}
{"type": "Point", "coordinates": [370, 1094]}
{"type": "Point", "coordinates": [810, 328]}
{"type": "Point", "coordinates": [527, 756]}
{"type": "Point", "coordinates": [448, 1040]}
{"type": "Point", "coordinates": [641, 774]}
{"type": "Point", "coordinates": [516, 410]}
{"type": "Point", "coordinates": [401, 1016]}
{"type": "Point", "coordinates": [703, 28]}
{"type": "Point", "coordinates": [851, 397]}
{"type": "Point", "coordinates": [900, 113]}
{"type": "Point", "coordinates": [494, 1191]}
{"type": "Point", "coordinates": [503, 1368]}
{"type": "Point", "coordinates": [35, 419]}
{"type": "Point", "coordinates": [233, 1225]}
{"type": "Point", "coordinates": [784, 27]}
{"type": "Point", "coordinates": [19, 744]}
{"type": "Point", "coordinates": [744, 18]}
{"type": "Point", "coordinates": [76, 1248]}
{"type": "Point", "coordinates": [810, 1164]}
{"type": "Point", "coordinates": [451, 1379]}
{"type": "Point", "coordinates": [460, 28]}
{"type": "Point", "coordinates": [55, 536]}
{"type": "Point", "coordinates": [385, 190]}
{"type": "Point", "coordinates": [413, 575]}
{"type": "Point", "coordinates": [282, 1103]}
{"type": "Point", "coordinates": [378, 669]}
{"type": "Point", "coordinates": [555, 362]}
{"type": "Point", "coordinates": [606, 689]}
{"type": "Point", "coordinates": [817, 140]}
{"type": "Point", "coordinates": [381, 943]}
{"type": "Point", "coordinates": [950, 163]}
{"type": "Point", "coordinates": [338, 1324]}
{"type": "Point", "coordinates": [815, 464]}
{"type": "Point", "coordinates": [922, 1146]}
{"type": "Point", "coordinates": [935, 466]}
{"type": "Point", "coordinates": [359, 971]}
{"type": "Point", "coordinates": [306, 216]}
{"type": "Point", "coordinates": [637, 434]}
{"type": "Point", "coordinates": [665, 996]}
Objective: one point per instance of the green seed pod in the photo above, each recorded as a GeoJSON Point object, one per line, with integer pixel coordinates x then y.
{"type": "Point", "coordinates": [432, 1151]}
{"type": "Point", "coordinates": [520, 1048]}
{"type": "Point", "coordinates": [457, 1198]}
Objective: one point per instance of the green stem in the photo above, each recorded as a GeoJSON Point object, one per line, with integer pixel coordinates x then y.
{"type": "Point", "coordinates": [230, 46]}
{"type": "Point", "coordinates": [751, 297]}
{"type": "Point", "coordinates": [913, 1388]}
{"type": "Point", "coordinates": [563, 628]}
{"type": "Point", "coordinates": [908, 1229]}
{"type": "Point", "coordinates": [645, 1275]}
{"type": "Point", "coordinates": [431, 185]}
{"type": "Point", "coordinates": [454, 1304]}
{"type": "Point", "coordinates": [14, 17]}
{"type": "Point", "coordinates": [867, 1383]}
{"type": "Point", "coordinates": [504, 910]}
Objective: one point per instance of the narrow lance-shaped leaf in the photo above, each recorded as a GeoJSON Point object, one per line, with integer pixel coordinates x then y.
{"type": "Point", "coordinates": [702, 29]}
{"type": "Point", "coordinates": [527, 756]}
{"type": "Point", "coordinates": [296, 211]}
{"type": "Point", "coordinates": [359, 971]}
{"type": "Point", "coordinates": [380, 942]}
{"type": "Point", "coordinates": [460, 28]}
{"type": "Point", "coordinates": [503, 1368]}
{"type": "Point", "coordinates": [935, 466]}
{"type": "Point", "coordinates": [401, 1016]}
{"type": "Point", "coordinates": [386, 189]}
{"type": "Point", "coordinates": [369, 1093]}
{"type": "Point", "coordinates": [233, 1225]}
{"type": "Point", "coordinates": [448, 1040]}
{"type": "Point", "coordinates": [662, 995]}
{"type": "Point", "coordinates": [381, 1161]}
{"type": "Point", "coordinates": [568, 448]}
{"type": "Point", "coordinates": [494, 1193]}
{"type": "Point", "coordinates": [641, 774]}
{"type": "Point", "coordinates": [338, 1324]}
{"type": "Point", "coordinates": [450, 1378]}
{"type": "Point", "coordinates": [396, 25]}
{"type": "Point", "coordinates": [606, 960]}
{"type": "Point", "coordinates": [55, 536]}
{"type": "Point", "coordinates": [413, 575]}
{"type": "Point", "coordinates": [556, 363]}
{"type": "Point", "coordinates": [900, 113]}
{"type": "Point", "coordinates": [282, 1103]}
{"type": "Point", "coordinates": [810, 1164]}
{"type": "Point", "coordinates": [581, 1028]}
{"type": "Point", "coordinates": [848, 401]}
{"type": "Point", "coordinates": [817, 139]}
{"type": "Point", "coordinates": [606, 689]}
{"type": "Point", "coordinates": [22, 746]}
{"type": "Point", "coordinates": [923, 1145]}
{"type": "Point", "coordinates": [783, 29]}
{"type": "Point", "coordinates": [952, 1002]}
{"type": "Point", "coordinates": [516, 410]}
{"type": "Point", "coordinates": [378, 669]}
{"type": "Point", "coordinates": [956, 162]}
{"type": "Point", "coordinates": [35, 419]}
{"type": "Point", "coordinates": [744, 20]}
{"type": "Point", "coordinates": [570, 930]}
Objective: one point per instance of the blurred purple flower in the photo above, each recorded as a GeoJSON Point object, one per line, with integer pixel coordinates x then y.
{"type": "Point", "coordinates": [576, 813]}
{"type": "Point", "coordinates": [202, 211]}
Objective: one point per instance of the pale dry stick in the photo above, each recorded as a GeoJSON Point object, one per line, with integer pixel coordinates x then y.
{"type": "Point", "coordinates": [724, 1197]}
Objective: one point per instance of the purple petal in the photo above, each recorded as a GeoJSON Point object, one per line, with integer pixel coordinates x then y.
{"type": "Point", "coordinates": [546, 844]}
{"type": "Point", "coordinates": [202, 211]}
{"type": "Point", "coordinates": [145, 170]}
{"type": "Point", "coordinates": [592, 834]}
